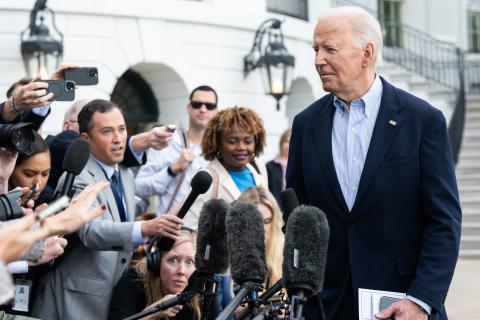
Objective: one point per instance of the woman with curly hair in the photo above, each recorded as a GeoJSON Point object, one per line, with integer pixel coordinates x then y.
{"type": "Point", "coordinates": [234, 137]}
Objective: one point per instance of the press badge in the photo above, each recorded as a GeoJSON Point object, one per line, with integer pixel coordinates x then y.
{"type": "Point", "coordinates": [22, 295]}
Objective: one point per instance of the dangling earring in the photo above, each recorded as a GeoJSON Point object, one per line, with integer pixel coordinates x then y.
{"type": "Point", "coordinates": [219, 155]}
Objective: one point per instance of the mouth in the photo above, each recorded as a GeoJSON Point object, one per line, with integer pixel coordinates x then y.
{"type": "Point", "coordinates": [241, 157]}
{"type": "Point", "coordinates": [179, 283]}
{"type": "Point", "coordinates": [117, 150]}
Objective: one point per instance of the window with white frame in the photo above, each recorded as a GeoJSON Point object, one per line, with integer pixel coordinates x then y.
{"type": "Point", "coordinates": [474, 31]}
{"type": "Point", "coordinates": [389, 13]}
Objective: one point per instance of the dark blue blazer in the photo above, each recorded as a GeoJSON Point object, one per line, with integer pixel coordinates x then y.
{"type": "Point", "coordinates": [403, 231]}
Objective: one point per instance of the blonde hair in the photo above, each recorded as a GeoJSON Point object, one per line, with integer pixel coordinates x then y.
{"type": "Point", "coordinates": [274, 245]}
{"type": "Point", "coordinates": [152, 284]}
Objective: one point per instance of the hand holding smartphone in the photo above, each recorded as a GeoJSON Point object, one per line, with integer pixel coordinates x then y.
{"type": "Point", "coordinates": [86, 76]}
{"type": "Point", "coordinates": [63, 90]}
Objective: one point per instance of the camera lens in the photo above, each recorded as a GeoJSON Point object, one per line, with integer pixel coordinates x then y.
{"type": "Point", "coordinates": [92, 72]}
{"type": "Point", "coordinates": [18, 137]}
{"type": "Point", "coordinates": [69, 85]}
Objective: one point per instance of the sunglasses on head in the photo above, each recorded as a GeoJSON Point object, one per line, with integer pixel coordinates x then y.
{"type": "Point", "coordinates": [198, 105]}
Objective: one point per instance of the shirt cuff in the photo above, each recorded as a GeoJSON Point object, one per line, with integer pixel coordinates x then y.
{"type": "Point", "coordinates": [137, 155]}
{"type": "Point", "coordinates": [422, 304]}
{"type": "Point", "coordinates": [18, 267]}
{"type": "Point", "coordinates": [41, 111]}
{"type": "Point", "coordinates": [137, 238]}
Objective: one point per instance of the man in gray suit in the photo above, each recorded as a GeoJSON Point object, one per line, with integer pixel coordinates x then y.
{"type": "Point", "coordinates": [81, 286]}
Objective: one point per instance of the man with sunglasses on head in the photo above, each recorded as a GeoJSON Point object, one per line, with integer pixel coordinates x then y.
{"type": "Point", "coordinates": [166, 171]}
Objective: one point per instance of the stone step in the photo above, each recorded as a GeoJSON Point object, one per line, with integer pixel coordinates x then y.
{"type": "Point", "coordinates": [470, 253]}
{"type": "Point", "coordinates": [470, 242]}
{"type": "Point", "coordinates": [472, 133]}
{"type": "Point", "coordinates": [469, 218]}
{"type": "Point", "coordinates": [469, 153]}
{"type": "Point", "coordinates": [419, 84]}
{"type": "Point", "coordinates": [471, 229]}
{"type": "Point", "coordinates": [468, 164]}
{"type": "Point", "coordinates": [468, 182]}
{"type": "Point", "coordinates": [443, 94]}
{"type": "Point", "coordinates": [469, 188]}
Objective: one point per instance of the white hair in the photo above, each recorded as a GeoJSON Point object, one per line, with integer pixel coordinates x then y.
{"type": "Point", "coordinates": [364, 26]}
{"type": "Point", "coordinates": [74, 110]}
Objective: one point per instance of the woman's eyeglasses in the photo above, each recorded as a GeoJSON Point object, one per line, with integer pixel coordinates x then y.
{"type": "Point", "coordinates": [198, 105]}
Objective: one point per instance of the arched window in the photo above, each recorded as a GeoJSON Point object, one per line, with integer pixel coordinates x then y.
{"type": "Point", "coordinates": [137, 100]}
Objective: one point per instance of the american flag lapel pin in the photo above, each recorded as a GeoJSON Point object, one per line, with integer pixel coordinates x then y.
{"type": "Point", "coordinates": [393, 123]}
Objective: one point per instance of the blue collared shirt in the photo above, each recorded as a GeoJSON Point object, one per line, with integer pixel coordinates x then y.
{"type": "Point", "coordinates": [351, 134]}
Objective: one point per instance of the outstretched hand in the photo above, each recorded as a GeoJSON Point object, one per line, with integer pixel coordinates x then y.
{"type": "Point", "coordinates": [78, 213]}
{"type": "Point", "coordinates": [17, 237]}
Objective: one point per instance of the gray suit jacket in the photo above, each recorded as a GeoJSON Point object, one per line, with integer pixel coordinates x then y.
{"type": "Point", "coordinates": [81, 286]}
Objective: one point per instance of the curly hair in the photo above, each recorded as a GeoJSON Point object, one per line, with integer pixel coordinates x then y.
{"type": "Point", "coordinates": [244, 119]}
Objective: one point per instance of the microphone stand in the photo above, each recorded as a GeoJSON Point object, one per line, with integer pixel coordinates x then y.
{"type": "Point", "coordinates": [198, 283]}
{"type": "Point", "coordinates": [271, 312]}
{"type": "Point", "coordinates": [247, 290]}
{"type": "Point", "coordinates": [296, 306]}
{"type": "Point", "coordinates": [209, 293]}
{"type": "Point", "coordinates": [263, 299]}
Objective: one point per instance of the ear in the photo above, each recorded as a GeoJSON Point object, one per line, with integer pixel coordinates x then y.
{"type": "Point", "coordinates": [85, 136]}
{"type": "Point", "coordinates": [369, 54]}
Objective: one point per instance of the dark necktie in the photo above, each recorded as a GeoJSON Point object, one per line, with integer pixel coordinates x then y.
{"type": "Point", "coordinates": [116, 187]}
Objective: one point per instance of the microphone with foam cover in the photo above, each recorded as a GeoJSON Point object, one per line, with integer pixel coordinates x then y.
{"type": "Point", "coordinates": [76, 158]}
{"type": "Point", "coordinates": [211, 256]}
{"type": "Point", "coordinates": [212, 250]}
{"type": "Point", "coordinates": [289, 203]}
{"type": "Point", "coordinates": [304, 255]}
{"type": "Point", "coordinates": [246, 244]}
{"type": "Point", "coordinates": [200, 184]}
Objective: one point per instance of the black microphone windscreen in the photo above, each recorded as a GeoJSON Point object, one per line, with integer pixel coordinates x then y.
{"type": "Point", "coordinates": [212, 250]}
{"type": "Point", "coordinates": [76, 156]}
{"type": "Point", "coordinates": [305, 250]}
{"type": "Point", "coordinates": [246, 244]}
{"type": "Point", "coordinates": [289, 203]}
{"type": "Point", "coordinates": [201, 182]}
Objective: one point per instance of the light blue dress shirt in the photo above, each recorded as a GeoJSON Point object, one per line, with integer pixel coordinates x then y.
{"type": "Point", "coordinates": [351, 134]}
{"type": "Point", "coordinates": [137, 237]}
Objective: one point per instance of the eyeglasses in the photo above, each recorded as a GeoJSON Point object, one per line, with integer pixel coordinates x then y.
{"type": "Point", "coordinates": [197, 105]}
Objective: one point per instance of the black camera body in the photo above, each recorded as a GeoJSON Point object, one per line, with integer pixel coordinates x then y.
{"type": "Point", "coordinates": [17, 137]}
{"type": "Point", "coordinates": [63, 90]}
{"type": "Point", "coordinates": [9, 208]}
{"type": "Point", "coordinates": [87, 76]}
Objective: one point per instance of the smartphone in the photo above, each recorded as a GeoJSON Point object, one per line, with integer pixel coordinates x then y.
{"type": "Point", "coordinates": [87, 76]}
{"type": "Point", "coordinates": [29, 194]}
{"type": "Point", "coordinates": [63, 90]}
{"type": "Point", "coordinates": [385, 302]}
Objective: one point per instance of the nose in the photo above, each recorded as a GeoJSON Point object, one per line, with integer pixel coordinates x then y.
{"type": "Point", "coordinates": [320, 58]}
{"type": "Point", "coordinates": [182, 269]}
{"type": "Point", "coordinates": [116, 136]}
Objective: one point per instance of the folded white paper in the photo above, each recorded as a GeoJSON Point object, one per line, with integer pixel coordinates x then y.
{"type": "Point", "coordinates": [370, 302]}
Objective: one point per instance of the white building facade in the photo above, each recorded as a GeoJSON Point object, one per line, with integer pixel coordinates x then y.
{"type": "Point", "coordinates": [176, 45]}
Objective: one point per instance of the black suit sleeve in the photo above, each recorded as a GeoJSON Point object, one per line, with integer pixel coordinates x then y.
{"type": "Point", "coordinates": [129, 159]}
{"type": "Point", "coordinates": [26, 116]}
{"type": "Point", "coordinates": [128, 296]}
